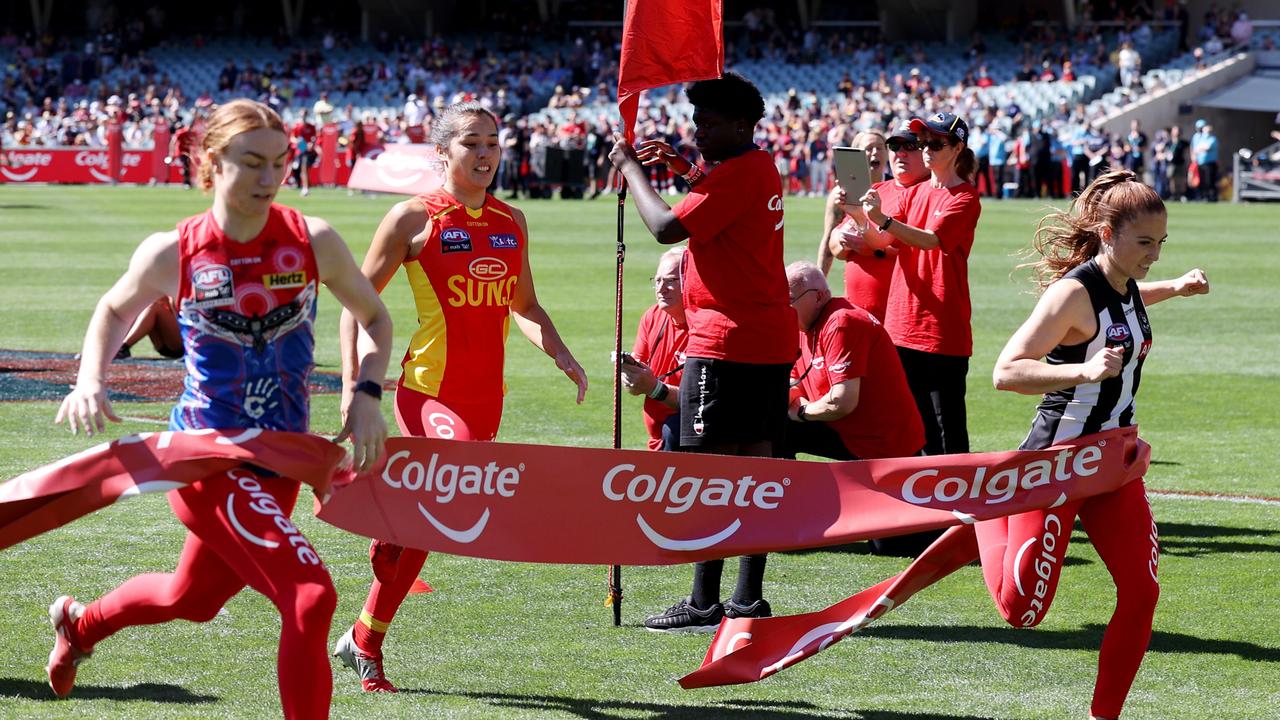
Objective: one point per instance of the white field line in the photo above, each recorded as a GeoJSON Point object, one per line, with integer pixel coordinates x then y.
{"type": "Point", "coordinates": [1241, 499]}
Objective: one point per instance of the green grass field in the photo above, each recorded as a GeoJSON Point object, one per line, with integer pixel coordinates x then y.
{"type": "Point", "coordinates": [514, 640]}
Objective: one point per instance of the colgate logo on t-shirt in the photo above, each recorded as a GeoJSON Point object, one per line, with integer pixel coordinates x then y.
{"type": "Point", "coordinates": [775, 203]}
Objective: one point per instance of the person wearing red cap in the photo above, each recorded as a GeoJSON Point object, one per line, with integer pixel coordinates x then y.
{"type": "Point", "coordinates": [928, 308]}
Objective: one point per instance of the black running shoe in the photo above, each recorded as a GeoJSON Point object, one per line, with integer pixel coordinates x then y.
{"type": "Point", "coordinates": [757, 609]}
{"type": "Point", "coordinates": [684, 617]}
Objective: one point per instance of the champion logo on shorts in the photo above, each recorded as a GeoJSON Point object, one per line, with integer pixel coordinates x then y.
{"type": "Point", "coordinates": [503, 241]}
{"type": "Point", "coordinates": [455, 240]}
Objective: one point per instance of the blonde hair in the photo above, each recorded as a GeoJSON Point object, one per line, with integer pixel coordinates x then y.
{"type": "Point", "coordinates": [229, 120]}
{"type": "Point", "coordinates": [1064, 240]}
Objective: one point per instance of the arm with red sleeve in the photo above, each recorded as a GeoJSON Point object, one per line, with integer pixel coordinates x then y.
{"type": "Point", "coordinates": [950, 227]}
{"type": "Point", "coordinates": [844, 346]}
{"type": "Point", "coordinates": [712, 206]}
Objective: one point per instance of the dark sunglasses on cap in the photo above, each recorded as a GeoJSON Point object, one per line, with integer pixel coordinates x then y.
{"type": "Point", "coordinates": [902, 146]}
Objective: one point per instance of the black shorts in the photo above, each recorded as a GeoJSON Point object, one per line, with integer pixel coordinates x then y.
{"type": "Point", "coordinates": [732, 402]}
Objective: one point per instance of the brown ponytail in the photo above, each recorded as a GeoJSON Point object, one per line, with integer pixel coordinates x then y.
{"type": "Point", "coordinates": [966, 164]}
{"type": "Point", "coordinates": [1067, 239]}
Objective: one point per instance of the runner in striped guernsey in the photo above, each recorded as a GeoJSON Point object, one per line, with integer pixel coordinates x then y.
{"type": "Point", "coordinates": [1091, 328]}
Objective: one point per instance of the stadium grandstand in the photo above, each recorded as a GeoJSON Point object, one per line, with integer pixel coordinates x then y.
{"type": "Point", "coordinates": [1046, 84]}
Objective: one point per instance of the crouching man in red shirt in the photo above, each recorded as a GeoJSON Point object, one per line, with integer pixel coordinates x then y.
{"type": "Point", "coordinates": [849, 397]}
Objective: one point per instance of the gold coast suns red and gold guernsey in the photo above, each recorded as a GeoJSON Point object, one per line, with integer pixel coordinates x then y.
{"type": "Point", "coordinates": [463, 281]}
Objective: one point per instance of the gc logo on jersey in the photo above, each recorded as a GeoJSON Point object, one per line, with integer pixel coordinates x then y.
{"type": "Point", "coordinates": [503, 241]}
{"type": "Point", "coordinates": [455, 240]}
{"type": "Point", "coordinates": [487, 268]}
{"type": "Point", "coordinates": [212, 286]}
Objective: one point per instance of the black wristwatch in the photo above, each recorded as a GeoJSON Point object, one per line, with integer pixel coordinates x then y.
{"type": "Point", "coordinates": [887, 222]}
{"type": "Point", "coordinates": [371, 388]}
{"type": "Point", "coordinates": [800, 413]}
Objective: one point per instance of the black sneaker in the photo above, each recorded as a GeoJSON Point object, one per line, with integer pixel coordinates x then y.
{"type": "Point", "coordinates": [684, 617]}
{"type": "Point", "coordinates": [757, 609]}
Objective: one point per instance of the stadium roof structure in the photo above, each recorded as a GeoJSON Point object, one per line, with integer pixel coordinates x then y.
{"type": "Point", "coordinates": [1259, 92]}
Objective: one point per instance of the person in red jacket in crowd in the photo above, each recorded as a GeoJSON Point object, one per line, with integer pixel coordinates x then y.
{"type": "Point", "coordinates": [303, 138]}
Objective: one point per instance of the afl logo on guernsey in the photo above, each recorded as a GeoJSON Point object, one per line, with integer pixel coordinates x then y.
{"type": "Point", "coordinates": [455, 240]}
{"type": "Point", "coordinates": [487, 268]}
{"type": "Point", "coordinates": [1118, 334]}
{"type": "Point", "coordinates": [212, 286]}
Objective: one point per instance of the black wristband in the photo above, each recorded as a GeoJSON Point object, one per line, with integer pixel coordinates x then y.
{"type": "Point", "coordinates": [800, 413]}
{"type": "Point", "coordinates": [887, 222]}
{"type": "Point", "coordinates": [370, 388]}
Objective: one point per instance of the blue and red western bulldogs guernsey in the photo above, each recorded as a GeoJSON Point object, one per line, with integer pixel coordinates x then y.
{"type": "Point", "coordinates": [246, 312]}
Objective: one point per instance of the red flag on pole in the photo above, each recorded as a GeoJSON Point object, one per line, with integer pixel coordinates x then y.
{"type": "Point", "coordinates": [666, 42]}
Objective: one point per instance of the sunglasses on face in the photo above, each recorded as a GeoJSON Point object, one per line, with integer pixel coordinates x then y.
{"type": "Point", "coordinates": [902, 146]}
{"type": "Point", "coordinates": [936, 145]}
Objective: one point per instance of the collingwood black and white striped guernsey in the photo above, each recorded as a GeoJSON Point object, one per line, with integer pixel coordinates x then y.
{"type": "Point", "coordinates": [1093, 407]}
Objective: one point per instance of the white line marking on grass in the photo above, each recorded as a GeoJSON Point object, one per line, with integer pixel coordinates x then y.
{"type": "Point", "coordinates": [150, 420]}
{"type": "Point", "coordinates": [1242, 499]}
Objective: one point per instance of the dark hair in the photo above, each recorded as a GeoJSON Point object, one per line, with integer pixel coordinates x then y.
{"type": "Point", "coordinates": [450, 120]}
{"type": "Point", "coordinates": [1067, 239]}
{"type": "Point", "coordinates": [732, 96]}
{"type": "Point", "coordinates": [966, 164]}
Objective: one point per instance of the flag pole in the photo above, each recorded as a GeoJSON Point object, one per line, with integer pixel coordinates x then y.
{"type": "Point", "coordinates": [615, 571]}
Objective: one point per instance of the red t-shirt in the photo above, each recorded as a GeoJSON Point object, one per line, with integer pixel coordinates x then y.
{"type": "Point", "coordinates": [867, 277]}
{"type": "Point", "coordinates": [736, 300]}
{"type": "Point", "coordinates": [846, 342]}
{"type": "Point", "coordinates": [660, 344]}
{"type": "Point", "coordinates": [928, 306]}
{"type": "Point", "coordinates": [306, 131]}
{"type": "Point", "coordinates": [416, 134]}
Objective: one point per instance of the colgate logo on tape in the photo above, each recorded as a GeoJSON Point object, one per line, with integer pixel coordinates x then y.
{"type": "Point", "coordinates": [679, 494]}
{"type": "Point", "coordinates": [447, 481]}
{"type": "Point", "coordinates": [923, 487]}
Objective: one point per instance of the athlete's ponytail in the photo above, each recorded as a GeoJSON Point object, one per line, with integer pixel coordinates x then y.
{"type": "Point", "coordinates": [966, 164]}
{"type": "Point", "coordinates": [1066, 239]}
{"type": "Point", "coordinates": [227, 121]}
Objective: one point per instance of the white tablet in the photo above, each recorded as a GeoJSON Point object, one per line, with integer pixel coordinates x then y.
{"type": "Point", "coordinates": [852, 172]}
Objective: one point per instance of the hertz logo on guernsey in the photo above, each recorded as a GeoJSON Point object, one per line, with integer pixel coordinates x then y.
{"type": "Point", "coordinates": [486, 284]}
{"type": "Point", "coordinates": [285, 280]}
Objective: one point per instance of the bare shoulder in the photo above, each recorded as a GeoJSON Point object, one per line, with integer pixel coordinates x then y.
{"type": "Point", "coordinates": [158, 247]}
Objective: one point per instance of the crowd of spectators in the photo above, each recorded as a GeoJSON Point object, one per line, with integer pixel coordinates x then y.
{"type": "Point", "coordinates": [54, 92]}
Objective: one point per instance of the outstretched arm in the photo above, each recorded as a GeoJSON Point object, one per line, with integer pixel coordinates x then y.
{"type": "Point", "coordinates": [1193, 282]}
{"type": "Point", "coordinates": [363, 423]}
{"type": "Point", "coordinates": [152, 274]}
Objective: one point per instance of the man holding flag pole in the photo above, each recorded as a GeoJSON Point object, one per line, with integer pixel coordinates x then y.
{"type": "Point", "coordinates": [663, 42]}
{"type": "Point", "coordinates": [742, 330]}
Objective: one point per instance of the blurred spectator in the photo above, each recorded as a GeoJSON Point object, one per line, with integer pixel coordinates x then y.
{"type": "Point", "coordinates": [1204, 151]}
{"type": "Point", "coordinates": [1242, 31]}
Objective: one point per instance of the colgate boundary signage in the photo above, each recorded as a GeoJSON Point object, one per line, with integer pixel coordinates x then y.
{"type": "Point", "coordinates": [535, 503]}
{"type": "Point", "coordinates": [405, 169]}
{"type": "Point", "coordinates": [75, 165]}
